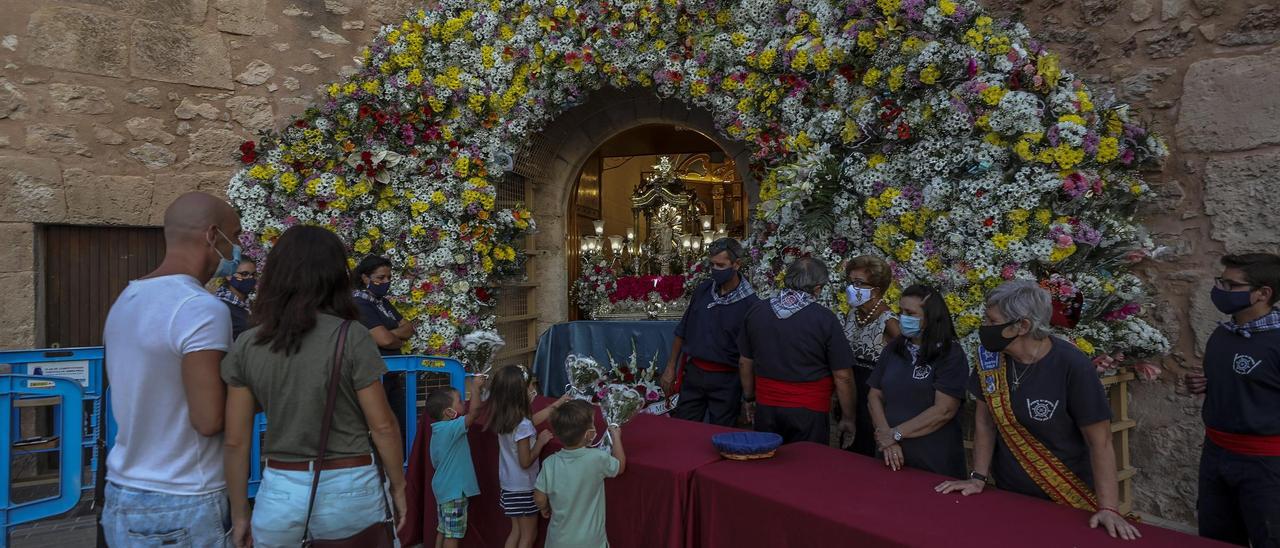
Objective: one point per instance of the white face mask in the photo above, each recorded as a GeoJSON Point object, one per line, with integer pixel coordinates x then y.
{"type": "Point", "coordinates": [858, 296]}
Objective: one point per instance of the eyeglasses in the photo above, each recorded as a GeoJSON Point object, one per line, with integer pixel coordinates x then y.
{"type": "Point", "coordinates": [1229, 285]}
{"type": "Point", "coordinates": [245, 275]}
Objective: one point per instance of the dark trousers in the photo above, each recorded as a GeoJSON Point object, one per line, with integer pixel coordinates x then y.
{"type": "Point", "coordinates": [1239, 497]}
{"type": "Point", "coordinates": [715, 397]}
{"type": "Point", "coordinates": [793, 423]}
{"type": "Point", "coordinates": [394, 386]}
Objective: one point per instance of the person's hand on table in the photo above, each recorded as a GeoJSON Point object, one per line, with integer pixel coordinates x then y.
{"type": "Point", "coordinates": [884, 438]}
{"type": "Point", "coordinates": [893, 457]}
{"type": "Point", "coordinates": [964, 487]}
{"type": "Point", "coordinates": [1115, 524]}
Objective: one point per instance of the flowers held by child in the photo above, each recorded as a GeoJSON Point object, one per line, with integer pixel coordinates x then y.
{"type": "Point", "coordinates": [621, 403]}
{"type": "Point", "coordinates": [586, 376]}
{"type": "Point", "coordinates": [478, 349]}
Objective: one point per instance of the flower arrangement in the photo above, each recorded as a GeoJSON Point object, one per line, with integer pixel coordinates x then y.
{"type": "Point", "coordinates": [920, 130]}
{"type": "Point", "coordinates": [479, 347]}
{"type": "Point", "coordinates": [588, 380]}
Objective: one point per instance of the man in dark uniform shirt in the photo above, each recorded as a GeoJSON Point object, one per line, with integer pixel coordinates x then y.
{"type": "Point", "coordinates": [1240, 464]}
{"type": "Point", "coordinates": [794, 355]}
{"type": "Point", "coordinates": [706, 342]}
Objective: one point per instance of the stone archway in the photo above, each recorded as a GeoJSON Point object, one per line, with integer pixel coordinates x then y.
{"type": "Point", "coordinates": [554, 157]}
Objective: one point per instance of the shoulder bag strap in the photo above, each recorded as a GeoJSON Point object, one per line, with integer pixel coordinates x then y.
{"type": "Point", "coordinates": [326, 421]}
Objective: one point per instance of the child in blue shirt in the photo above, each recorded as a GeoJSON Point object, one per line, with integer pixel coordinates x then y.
{"type": "Point", "coordinates": [455, 476]}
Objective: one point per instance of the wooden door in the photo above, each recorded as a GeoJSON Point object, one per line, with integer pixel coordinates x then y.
{"type": "Point", "coordinates": [84, 269]}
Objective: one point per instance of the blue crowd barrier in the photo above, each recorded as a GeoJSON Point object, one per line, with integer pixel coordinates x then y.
{"type": "Point", "coordinates": [52, 368]}
{"type": "Point", "coordinates": [68, 429]}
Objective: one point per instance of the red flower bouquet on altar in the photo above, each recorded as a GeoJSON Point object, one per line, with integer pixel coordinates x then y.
{"type": "Point", "coordinates": [637, 288]}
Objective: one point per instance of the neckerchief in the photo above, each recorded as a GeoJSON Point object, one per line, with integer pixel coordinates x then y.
{"type": "Point", "coordinates": [379, 303]}
{"type": "Point", "coordinates": [225, 294]}
{"type": "Point", "coordinates": [743, 291]}
{"type": "Point", "coordinates": [788, 302]}
{"type": "Point", "coordinates": [1269, 322]}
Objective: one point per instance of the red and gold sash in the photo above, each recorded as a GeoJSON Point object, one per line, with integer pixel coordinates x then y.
{"type": "Point", "coordinates": [1046, 470]}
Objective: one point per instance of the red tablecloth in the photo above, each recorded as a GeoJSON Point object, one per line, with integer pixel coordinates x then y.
{"type": "Point", "coordinates": [812, 495]}
{"type": "Point", "coordinates": [646, 506]}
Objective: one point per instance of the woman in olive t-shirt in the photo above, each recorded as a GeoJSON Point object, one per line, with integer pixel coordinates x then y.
{"type": "Point", "coordinates": [283, 366]}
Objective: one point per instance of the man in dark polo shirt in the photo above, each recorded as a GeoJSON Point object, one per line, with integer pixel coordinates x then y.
{"type": "Point", "coordinates": [1240, 464]}
{"type": "Point", "coordinates": [706, 342]}
{"type": "Point", "coordinates": [794, 354]}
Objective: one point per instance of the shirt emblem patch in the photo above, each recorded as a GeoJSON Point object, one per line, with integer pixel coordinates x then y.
{"type": "Point", "coordinates": [1041, 410]}
{"type": "Point", "coordinates": [921, 372]}
{"type": "Point", "coordinates": [1245, 364]}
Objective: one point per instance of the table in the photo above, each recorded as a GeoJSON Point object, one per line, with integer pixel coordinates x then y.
{"type": "Point", "coordinates": [598, 339]}
{"type": "Point", "coordinates": [648, 505]}
{"type": "Point", "coordinates": [828, 497]}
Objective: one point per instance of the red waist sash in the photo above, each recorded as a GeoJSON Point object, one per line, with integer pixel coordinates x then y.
{"type": "Point", "coordinates": [813, 395]}
{"type": "Point", "coordinates": [1245, 444]}
{"type": "Point", "coordinates": [713, 367]}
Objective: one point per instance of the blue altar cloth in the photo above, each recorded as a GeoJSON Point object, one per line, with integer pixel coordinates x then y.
{"type": "Point", "coordinates": [598, 339]}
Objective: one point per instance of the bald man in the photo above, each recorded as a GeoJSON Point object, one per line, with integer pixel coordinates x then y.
{"type": "Point", "coordinates": [164, 337]}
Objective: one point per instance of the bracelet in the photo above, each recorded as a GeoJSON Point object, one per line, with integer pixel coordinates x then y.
{"type": "Point", "coordinates": [1112, 510]}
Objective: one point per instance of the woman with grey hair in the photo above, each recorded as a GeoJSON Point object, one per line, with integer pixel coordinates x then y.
{"type": "Point", "coordinates": [1043, 422]}
{"type": "Point", "coordinates": [793, 356]}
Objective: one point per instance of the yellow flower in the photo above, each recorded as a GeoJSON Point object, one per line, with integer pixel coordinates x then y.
{"type": "Point", "coordinates": [966, 323]}
{"type": "Point", "coordinates": [1047, 68]}
{"type": "Point", "coordinates": [438, 197]}
{"type": "Point", "coordinates": [1060, 253]}
{"type": "Point", "coordinates": [992, 95]}
{"type": "Point", "coordinates": [766, 57]}
{"type": "Point", "coordinates": [1108, 149]}
{"type": "Point", "coordinates": [871, 77]}
{"type": "Point", "coordinates": [262, 172]}
{"type": "Point", "coordinates": [1084, 345]}
{"type": "Point", "coordinates": [371, 87]}
{"type": "Point", "coordinates": [363, 245]}
{"type": "Point", "coordinates": [415, 77]}
{"type": "Point", "coordinates": [888, 7]}
{"type": "Point", "coordinates": [1067, 156]}
{"type": "Point", "coordinates": [289, 182]}
{"type": "Point", "coordinates": [436, 340]}
{"type": "Point", "coordinates": [462, 166]}
{"type": "Point", "coordinates": [947, 7]}
{"type": "Point", "coordinates": [929, 75]}
{"type": "Point", "coordinates": [867, 40]}
{"type": "Point", "coordinates": [895, 77]}
{"type": "Point", "coordinates": [800, 61]}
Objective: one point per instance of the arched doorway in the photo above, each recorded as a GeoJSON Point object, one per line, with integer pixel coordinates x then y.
{"type": "Point", "coordinates": [554, 159]}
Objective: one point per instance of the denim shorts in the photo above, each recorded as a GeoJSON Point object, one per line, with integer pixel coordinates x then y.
{"type": "Point", "coordinates": [347, 501]}
{"type": "Point", "coordinates": [137, 518]}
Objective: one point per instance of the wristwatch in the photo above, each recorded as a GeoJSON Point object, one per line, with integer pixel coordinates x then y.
{"type": "Point", "coordinates": [748, 399]}
{"type": "Point", "coordinates": [977, 476]}
{"type": "Point", "coordinates": [897, 436]}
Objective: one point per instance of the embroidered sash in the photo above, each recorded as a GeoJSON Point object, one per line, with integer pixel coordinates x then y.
{"type": "Point", "coordinates": [1046, 470]}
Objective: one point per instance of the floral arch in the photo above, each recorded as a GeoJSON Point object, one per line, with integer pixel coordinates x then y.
{"type": "Point", "coordinates": [920, 130]}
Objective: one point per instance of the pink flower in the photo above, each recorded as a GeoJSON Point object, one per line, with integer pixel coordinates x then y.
{"type": "Point", "coordinates": [1147, 371]}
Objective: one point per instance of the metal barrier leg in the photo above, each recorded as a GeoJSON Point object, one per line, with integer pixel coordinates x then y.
{"type": "Point", "coordinates": [70, 448]}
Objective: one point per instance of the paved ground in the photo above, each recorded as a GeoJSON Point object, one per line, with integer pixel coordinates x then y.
{"type": "Point", "coordinates": [74, 532]}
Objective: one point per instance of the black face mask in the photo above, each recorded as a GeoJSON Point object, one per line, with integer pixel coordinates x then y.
{"type": "Point", "coordinates": [992, 336]}
{"type": "Point", "coordinates": [722, 276]}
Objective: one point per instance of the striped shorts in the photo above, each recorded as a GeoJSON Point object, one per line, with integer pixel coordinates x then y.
{"type": "Point", "coordinates": [516, 504]}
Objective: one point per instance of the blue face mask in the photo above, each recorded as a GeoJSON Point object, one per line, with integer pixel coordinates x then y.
{"type": "Point", "coordinates": [226, 265]}
{"type": "Point", "coordinates": [722, 276]}
{"type": "Point", "coordinates": [1230, 302]}
{"type": "Point", "coordinates": [910, 325]}
{"type": "Point", "coordinates": [379, 290]}
{"type": "Point", "coordinates": [244, 286]}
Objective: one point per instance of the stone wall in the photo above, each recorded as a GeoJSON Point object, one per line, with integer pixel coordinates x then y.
{"type": "Point", "coordinates": [110, 108]}
{"type": "Point", "coordinates": [1205, 74]}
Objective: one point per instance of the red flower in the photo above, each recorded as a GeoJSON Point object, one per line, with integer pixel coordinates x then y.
{"type": "Point", "coordinates": [904, 131]}
{"type": "Point", "coordinates": [300, 124]}
{"type": "Point", "coordinates": [989, 222]}
{"type": "Point", "coordinates": [249, 158]}
{"type": "Point", "coordinates": [366, 157]}
{"type": "Point", "coordinates": [246, 147]}
{"type": "Point", "coordinates": [364, 111]}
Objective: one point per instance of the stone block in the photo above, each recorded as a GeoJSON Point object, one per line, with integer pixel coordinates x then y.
{"type": "Point", "coordinates": [169, 187]}
{"type": "Point", "coordinates": [18, 241]}
{"type": "Point", "coordinates": [76, 99]}
{"type": "Point", "coordinates": [18, 315]}
{"type": "Point", "coordinates": [1240, 194]}
{"type": "Point", "coordinates": [106, 135]}
{"type": "Point", "coordinates": [1259, 26]}
{"type": "Point", "coordinates": [56, 139]}
{"type": "Point", "coordinates": [254, 113]}
{"type": "Point", "coordinates": [189, 109]}
{"type": "Point", "coordinates": [256, 74]}
{"type": "Point", "coordinates": [247, 17]}
{"type": "Point", "coordinates": [148, 97]}
{"type": "Point", "coordinates": [31, 191]}
{"type": "Point", "coordinates": [79, 41]}
{"type": "Point", "coordinates": [1204, 317]}
{"type": "Point", "coordinates": [216, 147]}
{"type": "Point", "coordinates": [327, 36]}
{"type": "Point", "coordinates": [1222, 109]}
{"type": "Point", "coordinates": [179, 54]}
{"type": "Point", "coordinates": [109, 199]}
{"type": "Point", "coordinates": [152, 156]}
{"type": "Point", "coordinates": [148, 129]}
{"type": "Point", "coordinates": [13, 103]}
{"type": "Point", "coordinates": [390, 12]}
